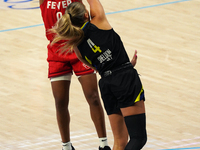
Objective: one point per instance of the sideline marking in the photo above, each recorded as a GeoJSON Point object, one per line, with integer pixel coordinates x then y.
{"type": "Point", "coordinates": [21, 28]}
{"type": "Point", "coordinates": [150, 6]}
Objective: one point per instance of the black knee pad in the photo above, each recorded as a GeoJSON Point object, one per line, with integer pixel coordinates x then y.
{"type": "Point", "coordinates": [136, 125]}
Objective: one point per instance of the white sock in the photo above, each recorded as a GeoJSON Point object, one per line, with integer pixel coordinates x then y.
{"type": "Point", "coordinates": [67, 146]}
{"type": "Point", "coordinates": [103, 142]}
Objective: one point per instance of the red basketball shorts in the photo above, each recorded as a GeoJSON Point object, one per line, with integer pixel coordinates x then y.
{"type": "Point", "coordinates": [61, 64]}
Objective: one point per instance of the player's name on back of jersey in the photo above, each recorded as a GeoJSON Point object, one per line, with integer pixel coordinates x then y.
{"type": "Point", "coordinates": [58, 5]}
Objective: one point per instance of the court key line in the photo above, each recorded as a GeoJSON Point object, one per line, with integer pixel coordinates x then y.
{"type": "Point", "coordinates": [150, 6]}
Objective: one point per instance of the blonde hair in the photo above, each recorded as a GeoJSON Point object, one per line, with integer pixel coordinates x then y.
{"type": "Point", "coordinates": [69, 26]}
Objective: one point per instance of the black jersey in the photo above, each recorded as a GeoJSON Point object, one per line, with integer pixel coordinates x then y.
{"type": "Point", "coordinates": [103, 49]}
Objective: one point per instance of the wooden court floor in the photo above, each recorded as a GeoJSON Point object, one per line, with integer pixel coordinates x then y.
{"type": "Point", "coordinates": [166, 34]}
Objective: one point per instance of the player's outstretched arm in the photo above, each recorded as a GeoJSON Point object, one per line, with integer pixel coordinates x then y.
{"type": "Point", "coordinates": [78, 54]}
{"type": "Point", "coordinates": [98, 16]}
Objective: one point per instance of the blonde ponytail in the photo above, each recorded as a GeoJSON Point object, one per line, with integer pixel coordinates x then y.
{"type": "Point", "coordinates": [68, 27]}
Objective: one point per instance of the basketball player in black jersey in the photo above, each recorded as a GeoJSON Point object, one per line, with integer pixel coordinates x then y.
{"type": "Point", "coordinates": [100, 47]}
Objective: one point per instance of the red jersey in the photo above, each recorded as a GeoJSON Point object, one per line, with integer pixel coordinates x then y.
{"type": "Point", "coordinates": [60, 64]}
{"type": "Point", "coordinates": [52, 11]}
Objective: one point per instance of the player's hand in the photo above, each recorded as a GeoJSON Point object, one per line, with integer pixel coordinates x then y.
{"type": "Point", "coordinates": [134, 59]}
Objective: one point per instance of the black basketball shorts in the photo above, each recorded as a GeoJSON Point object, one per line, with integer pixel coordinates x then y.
{"type": "Point", "coordinates": [121, 89]}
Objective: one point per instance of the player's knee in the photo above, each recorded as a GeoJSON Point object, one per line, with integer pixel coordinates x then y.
{"type": "Point", "coordinates": [93, 99]}
{"type": "Point", "coordinates": [136, 143]}
{"type": "Point", "coordinates": [136, 125]}
{"type": "Point", "coordinates": [61, 104]}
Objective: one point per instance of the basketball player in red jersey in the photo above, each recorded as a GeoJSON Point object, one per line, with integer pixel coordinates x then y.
{"type": "Point", "coordinates": [60, 72]}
